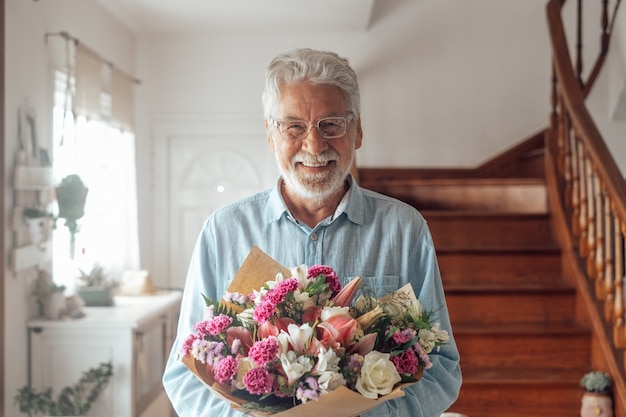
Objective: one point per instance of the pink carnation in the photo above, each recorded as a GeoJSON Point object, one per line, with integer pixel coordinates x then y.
{"type": "Point", "coordinates": [329, 274]}
{"type": "Point", "coordinates": [278, 294]}
{"type": "Point", "coordinates": [264, 351]}
{"type": "Point", "coordinates": [202, 328]}
{"type": "Point", "coordinates": [188, 343]}
{"type": "Point", "coordinates": [258, 381]}
{"type": "Point", "coordinates": [219, 324]}
{"type": "Point", "coordinates": [406, 362]}
{"type": "Point", "coordinates": [263, 311]}
{"type": "Point", "coordinates": [225, 369]}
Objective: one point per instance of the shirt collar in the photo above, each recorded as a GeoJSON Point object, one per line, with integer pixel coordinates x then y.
{"type": "Point", "coordinates": [351, 204]}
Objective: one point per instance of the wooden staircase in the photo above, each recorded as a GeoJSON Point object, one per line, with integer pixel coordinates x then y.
{"type": "Point", "coordinates": [513, 310]}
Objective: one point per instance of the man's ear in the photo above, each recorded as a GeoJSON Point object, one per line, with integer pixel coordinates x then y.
{"type": "Point", "coordinates": [270, 142]}
{"type": "Point", "coordinates": [359, 134]}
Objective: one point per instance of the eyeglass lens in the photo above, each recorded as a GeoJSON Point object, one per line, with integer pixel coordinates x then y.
{"type": "Point", "coordinates": [329, 128]}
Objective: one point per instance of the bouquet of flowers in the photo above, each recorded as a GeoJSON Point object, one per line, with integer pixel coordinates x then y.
{"type": "Point", "coordinates": [298, 338]}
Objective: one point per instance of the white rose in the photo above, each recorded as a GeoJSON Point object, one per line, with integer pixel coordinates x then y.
{"type": "Point", "coordinates": [330, 380]}
{"type": "Point", "coordinates": [378, 375]}
{"type": "Point", "coordinates": [243, 366]}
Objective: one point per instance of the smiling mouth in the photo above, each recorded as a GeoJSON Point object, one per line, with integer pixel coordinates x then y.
{"type": "Point", "coordinates": [316, 164]}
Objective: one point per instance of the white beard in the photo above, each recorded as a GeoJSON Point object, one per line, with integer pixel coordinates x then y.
{"type": "Point", "coordinates": [318, 188]}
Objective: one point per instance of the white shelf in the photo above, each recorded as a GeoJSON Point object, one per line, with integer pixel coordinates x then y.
{"type": "Point", "coordinates": [33, 177]}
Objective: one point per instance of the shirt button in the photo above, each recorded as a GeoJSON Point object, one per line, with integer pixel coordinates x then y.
{"type": "Point", "coordinates": [313, 236]}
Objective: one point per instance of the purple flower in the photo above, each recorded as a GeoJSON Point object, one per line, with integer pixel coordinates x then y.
{"type": "Point", "coordinates": [403, 336]}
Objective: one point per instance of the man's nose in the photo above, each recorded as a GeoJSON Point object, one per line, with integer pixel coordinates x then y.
{"type": "Point", "coordinates": [313, 142]}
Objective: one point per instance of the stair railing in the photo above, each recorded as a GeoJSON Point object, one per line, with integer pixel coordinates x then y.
{"type": "Point", "coordinates": [588, 193]}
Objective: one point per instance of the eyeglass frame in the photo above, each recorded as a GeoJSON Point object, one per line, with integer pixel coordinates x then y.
{"type": "Point", "coordinates": [316, 123]}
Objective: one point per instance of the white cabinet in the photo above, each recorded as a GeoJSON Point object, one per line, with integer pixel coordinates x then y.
{"type": "Point", "coordinates": [135, 334]}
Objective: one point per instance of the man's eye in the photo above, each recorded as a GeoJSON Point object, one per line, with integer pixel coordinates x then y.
{"type": "Point", "coordinates": [295, 126]}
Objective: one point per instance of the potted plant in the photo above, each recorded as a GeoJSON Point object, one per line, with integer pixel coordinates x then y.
{"type": "Point", "coordinates": [39, 223]}
{"type": "Point", "coordinates": [75, 400]}
{"type": "Point", "coordinates": [95, 287]}
{"type": "Point", "coordinates": [49, 296]}
{"type": "Point", "coordinates": [597, 398]}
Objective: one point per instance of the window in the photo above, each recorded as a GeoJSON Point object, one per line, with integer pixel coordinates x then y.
{"type": "Point", "coordinates": [104, 158]}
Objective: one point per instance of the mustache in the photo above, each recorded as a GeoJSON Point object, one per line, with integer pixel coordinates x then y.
{"type": "Point", "coordinates": [306, 158]}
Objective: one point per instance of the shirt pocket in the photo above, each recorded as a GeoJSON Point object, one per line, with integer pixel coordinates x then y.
{"type": "Point", "coordinates": [379, 286]}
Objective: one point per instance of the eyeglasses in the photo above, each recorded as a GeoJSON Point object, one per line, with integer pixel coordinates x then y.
{"type": "Point", "coordinates": [331, 127]}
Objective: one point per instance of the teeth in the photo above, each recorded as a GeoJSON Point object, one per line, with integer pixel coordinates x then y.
{"type": "Point", "coordinates": [315, 165]}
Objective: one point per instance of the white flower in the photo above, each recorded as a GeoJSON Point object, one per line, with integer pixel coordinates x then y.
{"type": "Point", "coordinates": [246, 317]}
{"type": "Point", "coordinates": [427, 339]}
{"type": "Point", "coordinates": [243, 366]}
{"type": "Point", "coordinates": [378, 375]}
{"type": "Point", "coordinates": [441, 336]}
{"type": "Point", "coordinates": [328, 312]}
{"type": "Point", "coordinates": [330, 380]}
{"type": "Point", "coordinates": [414, 309]}
{"type": "Point", "coordinates": [302, 297]}
{"type": "Point", "coordinates": [299, 336]}
{"type": "Point", "coordinates": [327, 360]}
{"type": "Point", "coordinates": [327, 368]}
{"type": "Point", "coordinates": [295, 366]}
{"type": "Point", "coordinates": [301, 272]}
{"type": "Point", "coordinates": [208, 312]}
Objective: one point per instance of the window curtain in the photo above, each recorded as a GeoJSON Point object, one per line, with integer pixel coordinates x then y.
{"type": "Point", "coordinates": [96, 141]}
{"type": "Point", "coordinates": [88, 83]}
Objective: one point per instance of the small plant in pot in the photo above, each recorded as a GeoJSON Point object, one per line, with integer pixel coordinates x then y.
{"type": "Point", "coordinates": [597, 397]}
{"type": "Point", "coordinates": [597, 381]}
{"type": "Point", "coordinates": [95, 287]}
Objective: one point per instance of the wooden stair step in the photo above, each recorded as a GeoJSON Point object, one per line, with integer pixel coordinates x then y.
{"type": "Point", "coordinates": [497, 231]}
{"type": "Point", "coordinates": [498, 392]}
{"type": "Point", "coordinates": [489, 266]}
{"type": "Point", "coordinates": [523, 345]}
{"type": "Point", "coordinates": [492, 304]}
{"type": "Point", "coordinates": [484, 194]}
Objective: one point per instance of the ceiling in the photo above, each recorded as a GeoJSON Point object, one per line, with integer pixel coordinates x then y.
{"type": "Point", "coordinates": [180, 17]}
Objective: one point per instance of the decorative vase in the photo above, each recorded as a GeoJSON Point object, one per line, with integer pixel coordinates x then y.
{"type": "Point", "coordinates": [596, 404]}
{"type": "Point", "coordinates": [54, 306]}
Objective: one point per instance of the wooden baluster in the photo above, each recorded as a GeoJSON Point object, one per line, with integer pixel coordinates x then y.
{"type": "Point", "coordinates": [565, 150]}
{"type": "Point", "coordinates": [604, 38]}
{"type": "Point", "coordinates": [579, 43]}
{"type": "Point", "coordinates": [609, 279]}
{"type": "Point", "coordinates": [584, 193]}
{"type": "Point", "coordinates": [591, 221]}
{"type": "Point", "coordinates": [600, 245]}
{"type": "Point", "coordinates": [575, 189]}
{"type": "Point", "coordinates": [619, 335]}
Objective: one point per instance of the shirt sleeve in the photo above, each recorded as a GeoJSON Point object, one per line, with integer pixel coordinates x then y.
{"type": "Point", "coordinates": [189, 396]}
{"type": "Point", "coordinates": [440, 385]}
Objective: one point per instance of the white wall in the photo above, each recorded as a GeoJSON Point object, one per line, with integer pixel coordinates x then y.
{"type": "Point", "coordinates": [27, 78]}
{"type": "Point", "coordinates": [444, 84]}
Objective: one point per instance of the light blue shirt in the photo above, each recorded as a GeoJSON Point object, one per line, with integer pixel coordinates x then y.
{"type": "Point", "coordinates": [381, 239]}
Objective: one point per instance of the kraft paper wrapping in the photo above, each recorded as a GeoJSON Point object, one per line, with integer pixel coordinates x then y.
{"type": "Point", "coordinates": [257, 269]}
{"type": "Point", "coordinates": [341, 402]}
